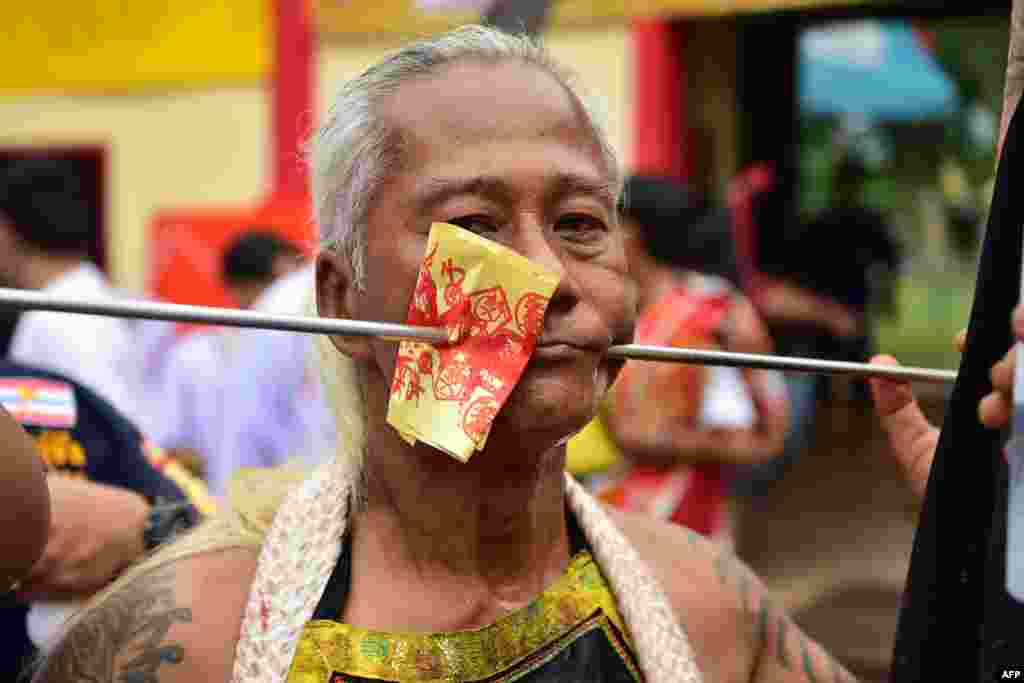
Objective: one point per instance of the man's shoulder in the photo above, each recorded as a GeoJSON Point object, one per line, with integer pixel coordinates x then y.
{"type": "Point", "coordinates": [670, 549]}
{"type": "Point", "coordinates": [179, 620]}
{"type": "Point", "coordinates": [715, 597]}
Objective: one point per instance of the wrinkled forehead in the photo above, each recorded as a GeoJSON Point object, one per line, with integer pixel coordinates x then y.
{"type": "Point", "coordinates": [472, 102]}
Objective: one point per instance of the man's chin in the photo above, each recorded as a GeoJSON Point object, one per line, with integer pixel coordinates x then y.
{"type": "Point", "coordinates": [545, 409]}
{"type": "Point", "coordinates": [539, 429]}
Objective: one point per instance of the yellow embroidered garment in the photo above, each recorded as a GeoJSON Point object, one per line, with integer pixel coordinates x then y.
{"type": "Point", "coordinates": [571, 632]}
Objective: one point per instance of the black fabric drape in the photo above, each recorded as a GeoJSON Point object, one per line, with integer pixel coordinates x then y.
{"type": "Point", "coordinates": [957, 622]}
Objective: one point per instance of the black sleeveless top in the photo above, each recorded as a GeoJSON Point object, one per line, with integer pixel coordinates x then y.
{"type": "Point", "coordinates": [571, 632]}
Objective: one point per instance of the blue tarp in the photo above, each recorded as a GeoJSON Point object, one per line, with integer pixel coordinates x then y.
{"type": "Point", "coordinates": [873, 69]}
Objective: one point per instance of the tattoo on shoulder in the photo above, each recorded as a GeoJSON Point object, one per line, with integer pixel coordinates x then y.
{"type": "Point", "coordinates": [733, 573]}
{"type": "Point", "coordinates": [817, 665]}
{"type": "Point", "coordinates": [123, 640]}
{"type": "Point", "coordinates": [772, 632]}
{"type": "Point", "coordinates": [805, 655]}
{"type": "Point", "coordinates": [781, 645]}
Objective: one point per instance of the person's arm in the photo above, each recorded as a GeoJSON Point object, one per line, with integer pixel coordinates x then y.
{"type": "Point", "coordinates": [748, 334]}
{"type": "Point", "coordinates": [782, 301]}
{"type": "Point", "coordinates": [97, 531]}
{"type": "Point", "coordinates": [25, 513]}
{"type": "Point", "coordinates": [912, 438]}
{"type": "Point", "coordinates": [652, 434]}
{"type": "Point", "coordinates": [649, 433]}
{"type": "Point", "coordinates": [178, 623]}
{"type": "Point", "coordinates": [647, 440]}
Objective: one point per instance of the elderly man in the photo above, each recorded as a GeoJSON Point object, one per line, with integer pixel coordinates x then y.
{"type": "Point", "coordinates": [498, 569]}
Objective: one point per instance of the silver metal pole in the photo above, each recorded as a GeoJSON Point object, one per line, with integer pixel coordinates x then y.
{"type": "Point", "coordinates": [791, 364]}
{"type": "Point", "coordinates": [22, 300]}
{"type": "Point", "coordinates": [26, 301]}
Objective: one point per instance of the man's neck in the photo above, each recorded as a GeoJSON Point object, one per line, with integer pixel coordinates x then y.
{"type": "Point", "coordinates": [40, 270]}
{"type": "Point", "coordinates": [489, 534]}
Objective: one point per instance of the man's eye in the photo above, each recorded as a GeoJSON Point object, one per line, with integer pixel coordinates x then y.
{"type": "Point", "coordinates": [477, 224]}
{"type": "Point", "coordinates": [581, 227]}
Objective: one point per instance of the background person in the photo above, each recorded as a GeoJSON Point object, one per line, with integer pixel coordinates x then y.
{"type": "Point", "coordinates": [113, 497]}
{"type": "Point", "coordinates": [274, 408]}
{"type": "Point", "coordinates": [44, 239]}
{"type": "Point", "coordinates": [190, 392]}
{"type": "Point", "coordinates": [254, 261]}
{"type": "Point", "coordinates": [818, 286]}
{"type": "Point", "coordinates": [675, 430]}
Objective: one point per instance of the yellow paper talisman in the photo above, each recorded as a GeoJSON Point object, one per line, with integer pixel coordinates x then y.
{"type": "Point", "coordinates": [492, 301]}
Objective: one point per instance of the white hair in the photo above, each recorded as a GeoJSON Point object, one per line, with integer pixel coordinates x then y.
{"type": "Point", "coordinates": [357, 147]}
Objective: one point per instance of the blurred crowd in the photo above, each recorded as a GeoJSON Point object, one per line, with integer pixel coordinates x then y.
{"type": "Point", "coordinates": [139, 414]}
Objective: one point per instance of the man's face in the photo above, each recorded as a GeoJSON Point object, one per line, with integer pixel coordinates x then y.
{"type": "Point", "coordinates": [501, 151]}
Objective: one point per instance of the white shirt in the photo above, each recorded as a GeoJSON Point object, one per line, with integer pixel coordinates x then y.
{"type": "Point", "coordinates": [726, 401]}
{"type": "Point", "coordinates": [273, 404]}
{"type": "Point", "coordinates": [98, 351]}
{"type": "Point", "coordinates": [191, 393]}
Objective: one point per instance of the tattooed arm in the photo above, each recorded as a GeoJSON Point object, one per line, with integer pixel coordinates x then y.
{"type": "Point", "coordinates": [785, 653]}
{"type": "Point", "coordinates": [737, 634]}
{"type": "Point", "coordinates": [179, 622]}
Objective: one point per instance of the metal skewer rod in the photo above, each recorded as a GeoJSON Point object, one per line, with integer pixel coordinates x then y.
{"type": "Point", "coordinates": [26, 301]}
{"type": "Point", "coordinates": [788, 363]}
{"type": "Point", "coordinates": [151, 310]}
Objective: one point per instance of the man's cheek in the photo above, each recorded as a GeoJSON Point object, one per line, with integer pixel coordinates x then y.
{"type": "Point", "coordinates": [620, 313]}
{"type": "Point", "coordinates": [386, 354]}
{"type": "Point", "coordinates": [614, 293]}
{"type": "Point", "coordinates": [388, 295]}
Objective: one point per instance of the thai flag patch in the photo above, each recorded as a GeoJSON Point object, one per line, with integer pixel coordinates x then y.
{"type": "Point", "coordinates": [39, 402]}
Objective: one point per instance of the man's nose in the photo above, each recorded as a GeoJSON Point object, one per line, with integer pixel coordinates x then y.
{"type": "Point", "coordinates": [536, 243]}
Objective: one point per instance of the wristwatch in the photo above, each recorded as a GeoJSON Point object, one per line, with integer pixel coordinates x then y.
{"type": "Point", "coordinates": [10, 586]}
{"type": "Point", "coordinates": [166, 520]}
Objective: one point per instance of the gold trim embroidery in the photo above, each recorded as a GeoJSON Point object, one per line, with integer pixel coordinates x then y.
{"type": "Point", "coordinates": [578, 601]}
{"type": "Point", "coordinates": [60, 450]}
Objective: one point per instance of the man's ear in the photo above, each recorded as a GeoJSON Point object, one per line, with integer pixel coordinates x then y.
{"type": "Point", "coordinates": [335, 295]}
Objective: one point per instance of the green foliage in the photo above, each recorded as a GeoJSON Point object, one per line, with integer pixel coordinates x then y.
{"type": "Point", "coordinates": [930, 309]}
{"type": "Point", "coordinates": [973, 53]}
